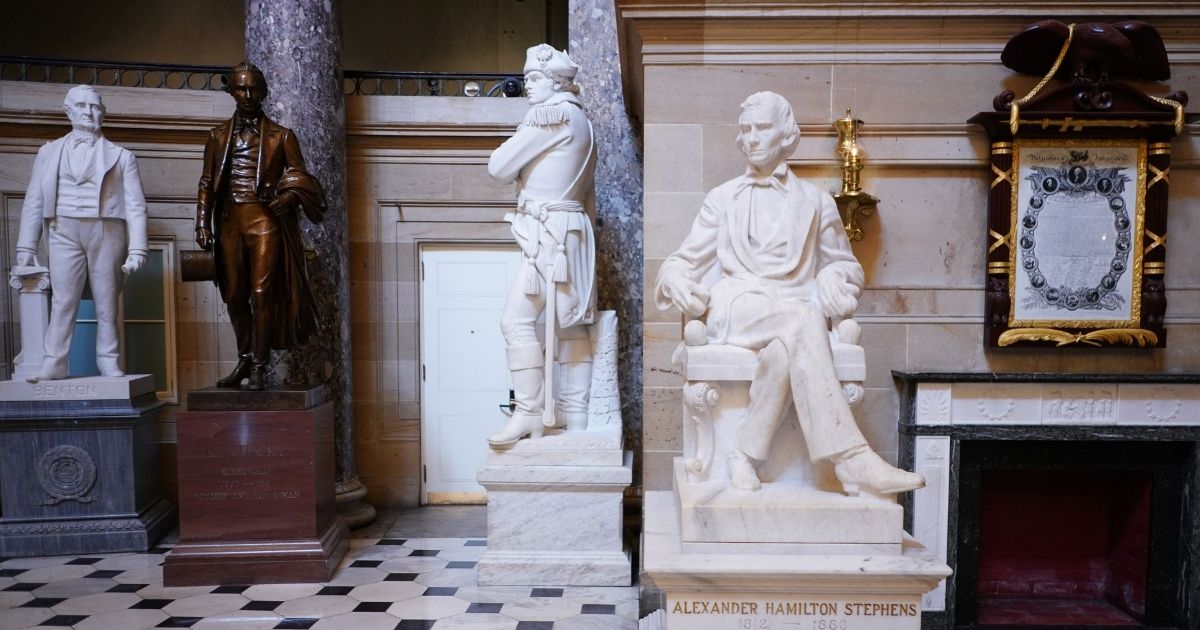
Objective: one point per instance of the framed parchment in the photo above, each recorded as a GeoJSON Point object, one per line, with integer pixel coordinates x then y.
{"type": "Point", "coordinates": [1077, 206]}
{"type": "Point", "coordinates": [1078, 181]}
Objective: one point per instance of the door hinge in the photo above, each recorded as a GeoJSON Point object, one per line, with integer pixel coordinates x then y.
{"type": "Point", "coordinates": [422, 372]}
{"type": "Point", "coordinates": [424, 474]}
{"type": "Point", "coordinates": [422, 270]}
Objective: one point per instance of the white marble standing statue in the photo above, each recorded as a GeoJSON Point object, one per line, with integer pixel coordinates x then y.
{"type": "Point", "coordinates": [86, 193]}
{"type": "Point", "coordinates": [786, 273]}
{"type": "Point", "coordinates": [551, 158]}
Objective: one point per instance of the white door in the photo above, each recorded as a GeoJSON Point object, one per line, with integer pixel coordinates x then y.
{"type": "Point", "coordinates": [465, 372]}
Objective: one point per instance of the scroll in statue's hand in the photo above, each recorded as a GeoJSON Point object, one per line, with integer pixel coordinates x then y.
{"type": "Point", "coordinates": [27, 259]}
{"type": "Point", "coordinates": [133, 262]}
{"type": "Point", "coordinates": [284, 203]}
{"type": "Point", "coordinates": [688, 296]}
{"type": "Point", "coordinates": [839, 298]}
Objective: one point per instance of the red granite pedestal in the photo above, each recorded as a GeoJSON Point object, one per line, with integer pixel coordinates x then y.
{"type": "Point", "coordinates": [256, 489]}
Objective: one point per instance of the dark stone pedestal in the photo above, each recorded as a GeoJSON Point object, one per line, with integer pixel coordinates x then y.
{"type": "Point", "coordinates": [78, 472]}
{"type": "Point", "coordinates": [256, 502]}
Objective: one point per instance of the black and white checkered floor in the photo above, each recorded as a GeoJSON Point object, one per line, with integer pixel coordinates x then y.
{"type": "Point", "coordinates": [383, 584]}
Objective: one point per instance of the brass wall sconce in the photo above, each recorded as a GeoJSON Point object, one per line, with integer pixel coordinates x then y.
{"type": "Point", "coordinates": [852, 202]}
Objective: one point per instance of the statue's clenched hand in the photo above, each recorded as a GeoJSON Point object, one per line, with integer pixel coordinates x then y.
{"type": "Point", "coordinates": [688, 296]}
{"type": "Point", "coordinates": [839, 298]}
{"type": "Point", "coordinates": [27, 259]}
{"type": "Point", "coordinates": [133, 262]}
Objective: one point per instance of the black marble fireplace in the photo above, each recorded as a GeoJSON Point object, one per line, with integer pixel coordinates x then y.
{"type": "Point", "coordinates": [1065, 501]}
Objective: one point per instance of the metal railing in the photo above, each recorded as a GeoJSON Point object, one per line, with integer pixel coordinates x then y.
{"type": "Point", "coordinates": [354, 82]}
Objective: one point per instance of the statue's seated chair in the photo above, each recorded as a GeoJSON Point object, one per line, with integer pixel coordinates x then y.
{"type": "Point", "coordinates": [717, 393]}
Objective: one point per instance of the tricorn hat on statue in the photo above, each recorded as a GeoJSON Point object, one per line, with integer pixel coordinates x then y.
{"type": "Point", "coordinates": [545, 59]}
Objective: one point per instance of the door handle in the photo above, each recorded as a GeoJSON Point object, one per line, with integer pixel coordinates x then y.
{"type": "Point", "coordinates": [511, 406]}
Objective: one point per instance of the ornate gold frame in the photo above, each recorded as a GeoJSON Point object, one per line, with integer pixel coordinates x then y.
{"type": "Point", "coordinates": [1044, 330]}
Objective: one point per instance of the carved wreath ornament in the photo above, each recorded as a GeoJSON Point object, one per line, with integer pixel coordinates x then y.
{"type": "Point", "coordinates": [67, 473]}
{"type": "Point", "coordinates": [1076, 182]}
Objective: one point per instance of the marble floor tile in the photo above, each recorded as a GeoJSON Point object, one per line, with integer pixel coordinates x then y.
{"type": "Point", "coordinates": [600, 594]}
{"type": "Point", "coordinates": [96, 604]}
{"type": "Point", "coordinates": [441, 521]}
{"type": "Point", "coordinates": [77, 587]}
{"type": "Point", "coordinates": [413, 565]}
{"type": "Point", "coordinates": [351, 576]}
{"type": "Point", "coordinates": [18, 618]}
{"type": "Point", "coordinates": [317, 606]}
{"type": "Point", "coordinates": [595, 622]}
{"type": "Point", "coordinates": [428, 608]}
{"type": "Point", "coordinates": [462, 553]}
{"type": "Point", "coordinates": [240, 620]}
{"type": "Point", "coordinates": [541, 608]}
{"type": "Point", "coordinates": [500, 594]}
{"type": "Point", "coordinates": [35, 562]}
{"type": "Point", "coordinates": [57, 573]}
{"type": "Point", "coordinates": [476, 622]}
{"type": "Point", "coordinates": [158, 591]}
{"type": "Point", "coordinates": [205, 605]}
{"type": "Point", "coordinates": [127, 561]}
{"type": "Point", "coordinates": [143, 575]}
{"type": "Point", "coordinates": [12, 599]}
{"type": "Point", "coordinates": [387, 591]}
{"type": "Point", "coordinates": [448, 577]}
{"type": "Point", "coordinates": [358, 621]}
{"type": "Point", "coordinates": [280, 592]}
{"type": "Point", "coordinates": [123, 619]}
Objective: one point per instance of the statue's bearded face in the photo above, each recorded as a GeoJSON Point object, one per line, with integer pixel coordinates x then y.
{"type": "Point", "coordinates": [761, 137]}
{"type": "Point", "coordinates": [248, 91]}
{"type": "Point", "coordinates": [85, 111]}
{"type": "Point", "coordinates": [538, 87]}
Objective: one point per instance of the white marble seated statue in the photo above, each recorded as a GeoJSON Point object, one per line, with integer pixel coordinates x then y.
{"type": "Point", "coordinates": [786, 273]}
{"type": "Point", "coordinates": [551, 158]}
{"type": "Point", "coordinates": [86, 195]}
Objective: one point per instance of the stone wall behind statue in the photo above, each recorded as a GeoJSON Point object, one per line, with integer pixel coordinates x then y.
{"type": "Point", "coordinates": [416, 172]}
{"type": "Point", "coordinates": [914, 72]}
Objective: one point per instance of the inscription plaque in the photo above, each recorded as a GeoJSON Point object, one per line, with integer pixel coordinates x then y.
{"type": "Point", "coordinates": [699, 611]}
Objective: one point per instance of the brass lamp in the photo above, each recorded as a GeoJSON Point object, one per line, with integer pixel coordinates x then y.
{"type": "Point", "coordinates": [852, 202]}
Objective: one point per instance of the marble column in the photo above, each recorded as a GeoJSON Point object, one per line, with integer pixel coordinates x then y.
{"type": "Point", "coordinates": [593, 45]}
{"type": "Point", "coordinates": [298, 46]}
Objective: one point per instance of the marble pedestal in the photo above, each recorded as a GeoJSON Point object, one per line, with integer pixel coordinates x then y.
{"type": "Point", "coordinates": [710, 586]}
{"type": "Point", "coordinates": [256, 490]}
{"type": "Point", "coordinates": [79, 467]}
{"type": "Point", "coordinates": [555, 511]}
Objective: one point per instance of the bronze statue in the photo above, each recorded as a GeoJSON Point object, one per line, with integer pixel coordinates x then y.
{"type": "Point", "coordinates": [251, 191]}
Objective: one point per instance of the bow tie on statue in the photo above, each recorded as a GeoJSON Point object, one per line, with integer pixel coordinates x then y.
{"type": "Point", "coordinates": [82, 140]}
{"type": "Point", "coordinates": [246, 124]}
{"type": "Point", "coordinates": [777, 180]}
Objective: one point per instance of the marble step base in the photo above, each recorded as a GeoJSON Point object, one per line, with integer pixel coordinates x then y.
{"type": "Point", "coordinates": [556, 525]}
{"type": "Point", "coordinates": [549, 568]}
{"type": "Point", "coordinates": [746, 588]}
{"type": "Point", "coordinates": [715, 512]}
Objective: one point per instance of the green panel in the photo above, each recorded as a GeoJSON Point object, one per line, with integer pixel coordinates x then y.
{"type": "Point", "coordinates": [146, 352]}
{"type": "Point", "coordinates": [82, 357]}
{"type": "Point", "coordinates": [144, 295]}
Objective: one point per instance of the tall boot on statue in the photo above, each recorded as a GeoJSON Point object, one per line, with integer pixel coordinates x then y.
{"type": "Point", "coordinates": [240, 371]}
{"type": "Point", "coordinates": [527, 377]}
{"type": "Point", "coordinates": [575, 381]}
